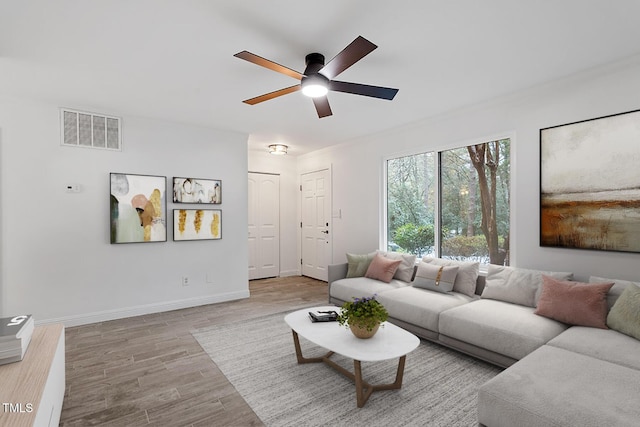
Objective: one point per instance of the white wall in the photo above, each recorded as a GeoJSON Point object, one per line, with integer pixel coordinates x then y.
{"type": "Point", "coordinates": [357, 165]}
{"type": "Point", "coordinates": [285, 166]}
{"type": "Point", "coordinates": [56, 259]}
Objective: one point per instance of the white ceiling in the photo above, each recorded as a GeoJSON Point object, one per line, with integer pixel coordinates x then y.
{"type": "Point", "coordinates": [174, 59]}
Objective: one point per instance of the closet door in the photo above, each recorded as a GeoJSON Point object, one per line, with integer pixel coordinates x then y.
{"type": "Point", "coordinates": [264, 225]}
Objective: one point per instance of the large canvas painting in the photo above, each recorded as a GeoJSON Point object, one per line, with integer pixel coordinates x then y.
{"type": "Point", "coordinates": [138, 208]}
{"type": "Point", "coordinates": [590, 184]}
{"type": "Point", "coordinates": [197, 190]}
{"type": "Point", "coordinates": [197, 224]}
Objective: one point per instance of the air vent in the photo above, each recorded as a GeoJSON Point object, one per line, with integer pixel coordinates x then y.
{"type": "Point", "coordinates": [90, 130]}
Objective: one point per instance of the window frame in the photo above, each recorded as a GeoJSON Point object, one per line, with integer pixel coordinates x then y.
{"type": "Point", "coordinates": [437, 150]}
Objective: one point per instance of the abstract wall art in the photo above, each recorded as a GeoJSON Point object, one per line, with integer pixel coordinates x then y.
{"type": "Point", "coordinates": [590, 184]}
{"type": "Point", "coordinates": [196, 190]}
{"type": "Point", "coordinates": [138, 208]}
{"type": "Point", "coordinates": [197, 224]}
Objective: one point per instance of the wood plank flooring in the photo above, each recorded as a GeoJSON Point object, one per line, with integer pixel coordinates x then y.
{"type": "Point", "coordinates": [149, 370]}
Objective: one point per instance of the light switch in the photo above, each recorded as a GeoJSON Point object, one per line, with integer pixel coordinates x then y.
{"type": "Point", "coordinates": [72, 188]}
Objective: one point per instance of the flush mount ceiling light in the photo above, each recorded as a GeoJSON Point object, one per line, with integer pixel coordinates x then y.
{"type": "Point", "coordinates": [278, 149]}
{"type": "Point", "coordinates": [314, 85]}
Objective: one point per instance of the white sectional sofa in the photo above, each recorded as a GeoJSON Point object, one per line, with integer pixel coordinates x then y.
{"type": "Point", "coordinates": [557, 374]}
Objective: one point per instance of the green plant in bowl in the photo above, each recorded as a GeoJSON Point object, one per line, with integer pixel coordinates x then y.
{"type": "Point", "coordinates": [365, 313]}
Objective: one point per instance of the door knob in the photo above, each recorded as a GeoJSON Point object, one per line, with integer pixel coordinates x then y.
{"type": "Point", "coordinates": [325, 232]}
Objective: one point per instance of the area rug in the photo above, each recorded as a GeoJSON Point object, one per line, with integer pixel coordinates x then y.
{"type": "Point", "coordinates": [257, 356]}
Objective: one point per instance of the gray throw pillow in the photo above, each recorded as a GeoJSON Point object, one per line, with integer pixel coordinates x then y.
{"type": "Point", "coordinates": [617, 289]}
{"type": "Point", "coordinates": [406, 267]}
{"type": "Point", "coordinates": [437, 278]}
{"type": "Point", "coordinates": [517, 285]}
{"type": "Point", "coordinates": [624, 317]}
{"type": "Point", "coordinates": [358, 264]}
{"type": "Point", "coordinates": [467, 274]}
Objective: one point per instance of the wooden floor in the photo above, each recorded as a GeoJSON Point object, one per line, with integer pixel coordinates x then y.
{"type": "Point", "coordinates": [149, 370]}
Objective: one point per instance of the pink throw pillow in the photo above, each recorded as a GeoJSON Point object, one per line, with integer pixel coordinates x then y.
{"type": "Point", "coordinates": [574, 303]}
{"type": "Point", "coordinates": [382, 268]}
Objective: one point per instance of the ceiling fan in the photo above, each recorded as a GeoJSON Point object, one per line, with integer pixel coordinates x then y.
{"type": "Point", "coordinates": [317, 78]}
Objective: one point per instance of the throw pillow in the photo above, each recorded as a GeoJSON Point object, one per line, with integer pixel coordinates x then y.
{"type": "Point", "coordinates": [358, 264]}
{"type": "Point", "coordinates": [382, 268]}
{"type": "Point", "coordinates": [617, 289]}
{"type": "Point", "coordinates": [467, 274]}
{"type": "Point", "coordinates": [406, 268]}
{"type": "Point", "coordinates": [574, 303]}
{"type": "Point", "coordinates": [624, 317]}
{"type": "Point", "coordinates": [437, 278]}
{"type": "Point", "coordinates": [517, 285]}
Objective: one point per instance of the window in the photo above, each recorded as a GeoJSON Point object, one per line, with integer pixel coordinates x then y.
{"type": "Point", "coordinates": [452, 203]}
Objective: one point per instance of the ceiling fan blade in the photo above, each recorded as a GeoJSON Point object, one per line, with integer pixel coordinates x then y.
{"type": "Point", "coordinates": [362, 89]}
{"type": "Point", "coordinates": [358, 49]}
{"type": "Point", "coordinates": [271, 95]}
{"type": "Point", "coordinates": [322, 106]}
{"type": "Point", "coordinates": [258, 60]}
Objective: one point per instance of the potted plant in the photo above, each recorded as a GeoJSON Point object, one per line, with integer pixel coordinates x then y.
{"type": "Point", "coordinates": [363, 316]}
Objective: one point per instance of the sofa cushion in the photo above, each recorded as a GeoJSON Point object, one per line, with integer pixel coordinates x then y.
{"type": "Point", "coordinates": [574, 303]}
{"type": "Point", "coordinates": [437, 278]}
{"type": "Point", "coordinates": [556, 387]}
{"type": "Point", "coordinates": [382, 268]}
{"type": "Point", "coordinates": [617, 289]}
{"type": "Point", "coordinates": [603, 344]}
{"type": "Point", "coordinates": [358, 264]}
{"type": "Point", "coordinates": [467, 274]}
{"type": "Point", "coordinates": [406, 268]}
{"type": "Point", "coordinates": [357, 287]}
{"type": "Point", "coordinates": [420, 307]}
{"type": "Point", "coordinates": [501, 327]}
{"type": "Point", "coordinates": [517, 285]}
{"type": "Point", "coordinates": [625, 315]}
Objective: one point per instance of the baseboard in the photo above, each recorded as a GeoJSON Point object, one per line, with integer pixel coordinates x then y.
{"type": "Point", "coordinates": [103, 316]}
{"type": "Point", "coordinates": [290, 273]}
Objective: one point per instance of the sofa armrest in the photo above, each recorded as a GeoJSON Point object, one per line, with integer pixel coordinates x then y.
{"type": "Point", "coordinates": [336, 272]}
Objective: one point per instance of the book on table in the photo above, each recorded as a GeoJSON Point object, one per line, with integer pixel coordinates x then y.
{"type": "Point", "coordinates": [15, 336]}
{"type": "Point", "coordinates": [323, 315]}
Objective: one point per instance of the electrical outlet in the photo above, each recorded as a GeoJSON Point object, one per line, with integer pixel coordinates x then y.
{"type": "Point", "coordinates": [185, 280]}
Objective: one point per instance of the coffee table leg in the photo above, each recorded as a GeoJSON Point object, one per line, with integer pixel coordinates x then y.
{"type": "Point", "coordinates": [400, 372]}
{"type": "Point", "coordinates": [364, 389]}
{"type": "Point", "coordinates": [301, 358]}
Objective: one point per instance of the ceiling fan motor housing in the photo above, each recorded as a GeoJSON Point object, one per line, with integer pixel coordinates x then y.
{"type": "Point", "coordinates": [314, 63]}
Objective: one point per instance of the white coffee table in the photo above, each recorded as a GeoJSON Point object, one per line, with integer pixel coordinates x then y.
{"type": "Point", "coordinates": [389, 342]}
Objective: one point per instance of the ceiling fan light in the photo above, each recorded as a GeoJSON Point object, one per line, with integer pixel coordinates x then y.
{"type": "Point", "coordinates": [278, 149]}
{"type": "Point", "coordinates": [314, 90]}
{"type": "Point", "coordinates": [314, 85]}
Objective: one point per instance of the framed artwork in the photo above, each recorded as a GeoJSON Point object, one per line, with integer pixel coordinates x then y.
{"type": "Point", "coordinates": [196, 190]}
{"type": "Point", "coordinates": [138, 208]}
{"type": "Point", "coordinates": [197, 224]}
{"type": "Point", "coordinates": [590, 184]}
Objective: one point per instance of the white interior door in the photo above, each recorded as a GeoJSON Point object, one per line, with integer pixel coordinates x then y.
{"type": "Point", "coordinates": [316, 217]}
{"type": "Point", "coordinates": [264, 225]}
